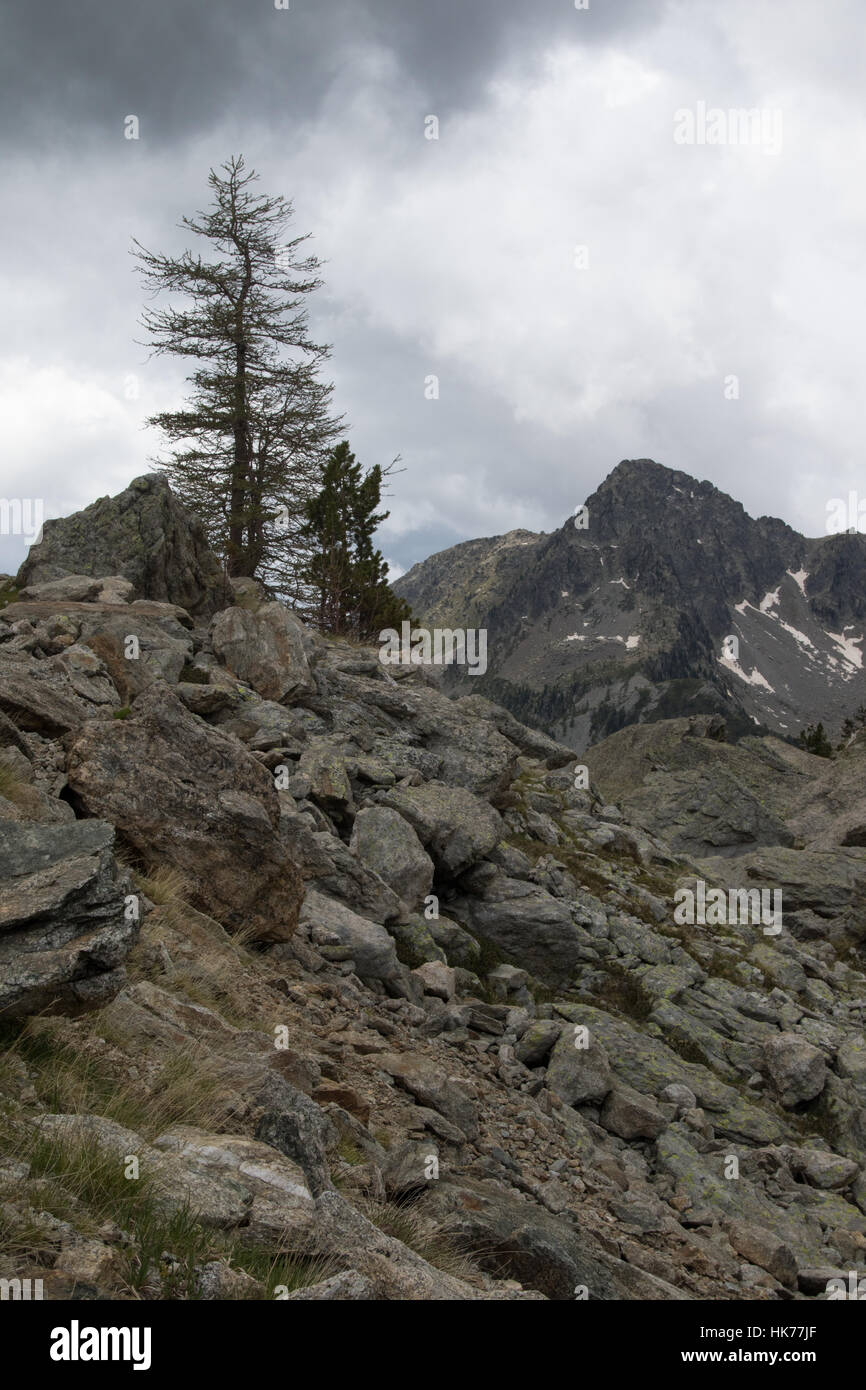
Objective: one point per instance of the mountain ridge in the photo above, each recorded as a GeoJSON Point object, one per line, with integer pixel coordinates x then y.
{"type": "Point", "coordinates": [590, 628]}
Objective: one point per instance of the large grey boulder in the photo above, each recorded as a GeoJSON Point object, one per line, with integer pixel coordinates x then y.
{"type": "Point", "coordinates": [796, 1069]}
{"type": "Point", "coordinates": [340, 934]}
{"type": "Point", "coordinates": [64, 926]}
{"type": "Point", "coordinates": [335, 871]}
{"type": "Point", "coordinates": [456, 827]}
{"type": "Point", "coordinates": [186, 794]}
{"type": "Point", "coordinates": [388, 845]}
{"type": "Point", "coordinates": [547, 935]}
{"type": "Point", "coordinates": [162, 644]}
{"type": "Point", "coordinates": [764, 1249]}
{"type": "Point", "coordinates": [826, 1171]}
{"type": "Point", "coordinates": [39, 696]}
{"type": "Point", "coordinates": [579, 1074]}
{"type": "Point", "coordinates": [631, 1116]}
{"type": "Point", "coordinates": [144, 534]}
{"type": "Point", "coordinates": [266, 649]}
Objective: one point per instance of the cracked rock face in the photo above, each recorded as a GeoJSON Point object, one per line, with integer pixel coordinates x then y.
{"type": "Point", "coordinates": [65, 931]}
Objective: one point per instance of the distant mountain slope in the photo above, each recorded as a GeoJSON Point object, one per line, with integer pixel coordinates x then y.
{"type": "Point", "coordinates": [624, 621]}
{"type": "Point", "coordinates": [467, 577]}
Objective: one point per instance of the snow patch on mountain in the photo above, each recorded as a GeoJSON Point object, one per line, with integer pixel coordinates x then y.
{"type": "Point", "coordinates": [752, 677]}
{"type": "Point", "coordinates": [848, 647]}
{"type": "Point", "coordinates": [799, 578]}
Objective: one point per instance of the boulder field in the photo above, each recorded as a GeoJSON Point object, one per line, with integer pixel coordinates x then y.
{"type": "Point", "coordinates": [316, 983]}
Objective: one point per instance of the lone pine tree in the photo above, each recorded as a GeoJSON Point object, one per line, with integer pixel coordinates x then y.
{"type": "Point", "coordinates": [347, 574]}
{"type": "Point", "coordinates": [254, 435]}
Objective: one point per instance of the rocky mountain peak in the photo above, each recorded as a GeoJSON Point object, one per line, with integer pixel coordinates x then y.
{"type": "Point", "coordinates": [639, 613]}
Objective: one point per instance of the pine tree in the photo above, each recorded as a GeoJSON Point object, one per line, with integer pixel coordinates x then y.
{"type": "Point", "coordinates": [814, 740]}
{"type": "Point", "coordinates": [254, 435]}
{"type": "Point", "coordinates": [346, 572]}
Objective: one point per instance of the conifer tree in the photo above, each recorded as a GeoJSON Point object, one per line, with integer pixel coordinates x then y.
{"type": "Point", "coordinates": [347, 574]}
{"type": "Point", "coordinates": [252, 439]}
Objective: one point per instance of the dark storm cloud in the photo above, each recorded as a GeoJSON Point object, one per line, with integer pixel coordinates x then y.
{"type": "Point", "coordinates": [69, 69]}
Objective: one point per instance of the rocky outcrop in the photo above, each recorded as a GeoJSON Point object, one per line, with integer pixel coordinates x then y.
{"type": "Point", "coordinates": [185, 794]}
{"type": "Point", "coordinates": [456, 827]}
{"type": "Point", "coordinates": [68, 918]}
{"type": "Point", "coordinates": [39, 698]}
{"type": "Point", "coordinates": [388, 845]}
{"type": "Point", "coordinates": [144, 535]}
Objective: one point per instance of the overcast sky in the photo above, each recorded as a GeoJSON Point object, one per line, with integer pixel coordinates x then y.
{"type": "Point", "coordinates": [459, 256]}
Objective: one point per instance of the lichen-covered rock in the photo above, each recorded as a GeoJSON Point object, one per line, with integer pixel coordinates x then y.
{"type": "Point", "coordinates": [145, 535]}
{"type": "Point", "coordinates": [323, 764]}
{"type": "Point", "coordinates": [388, 845]}
{"type": "Point", "coordinates": [456, 827]}
{"type": "Point", "coordinates": [415, 941]}
{"type": "Point", "coordinates": [537, 1042]}
{"type": "Point", "coordinates": [630, 1115]}
{"type": "Point", "coordinates": [796, 1069]}
{"type": "Point", "coordinates": [579, 1069]}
